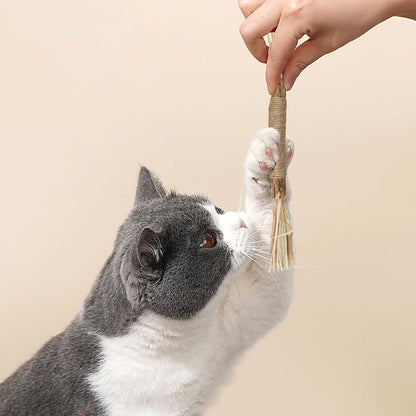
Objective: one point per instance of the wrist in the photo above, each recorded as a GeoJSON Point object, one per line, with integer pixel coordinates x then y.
{"type": "Point", "coordinates": [402, 8]}
{"type": "Point", "coordinates": [390, 8]}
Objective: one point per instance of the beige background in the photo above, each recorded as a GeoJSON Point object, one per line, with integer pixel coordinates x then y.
{"type": "Point", "coordinates": [88, 89]}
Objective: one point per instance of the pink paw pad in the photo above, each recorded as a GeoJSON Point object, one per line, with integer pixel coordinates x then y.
{"type": "Point", "coordinates": [263, 166]}
{"type": "Point", "coordinates": [265, 187]}
{"type": "Point", "coordinates": [269, 153]}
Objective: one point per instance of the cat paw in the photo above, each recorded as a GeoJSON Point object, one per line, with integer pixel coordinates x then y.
{"type": "Point", "coordinates": [261, 159]}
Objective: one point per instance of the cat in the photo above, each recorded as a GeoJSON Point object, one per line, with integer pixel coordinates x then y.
{"type": "Point", "coordinates": [183, 294]}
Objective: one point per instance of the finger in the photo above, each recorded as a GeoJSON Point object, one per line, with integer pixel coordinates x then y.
{"type": "Point", "coordinates": [248, 6]}
{"type": "Point", "coordinates": [305, 54]}
{"type": "Point", "coordinates": [284, 43]}
{"type": "Point", "coordinates": [262, 21]}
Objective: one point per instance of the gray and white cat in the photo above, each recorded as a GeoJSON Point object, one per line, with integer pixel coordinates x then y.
{"type": "Point", "coordinates": [183, 293]}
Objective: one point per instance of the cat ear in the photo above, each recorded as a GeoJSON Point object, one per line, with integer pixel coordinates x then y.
{"type": "Point", "coordinates": [149, 253]}
{"type": "Point", "coordinates": [148, 187]}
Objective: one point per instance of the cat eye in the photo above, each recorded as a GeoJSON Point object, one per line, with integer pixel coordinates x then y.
{"type": "Point", "coordinates": [209, 241]}
{"type": "Point", "coordinates": [219, 211]}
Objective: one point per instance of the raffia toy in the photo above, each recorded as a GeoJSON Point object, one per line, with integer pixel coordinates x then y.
{"type": "Point", "coordinates": [281, 245]}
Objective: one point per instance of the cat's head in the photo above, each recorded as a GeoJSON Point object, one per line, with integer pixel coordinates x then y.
{"type": "Point", "coordinates": [174, 251]}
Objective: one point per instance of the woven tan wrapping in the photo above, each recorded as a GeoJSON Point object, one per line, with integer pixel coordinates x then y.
{"type": "Point", "coordinates": [277, 120]}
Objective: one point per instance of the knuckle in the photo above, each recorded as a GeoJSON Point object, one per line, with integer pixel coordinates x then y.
{"type": "Point", "coordinates": [300, 65]}
{"type": "Point", "coordinates": [245, 31]}
{"type": "Point", "coordinates": [295, 7]}
{"type": "Point", "coordinates": [243, 5]}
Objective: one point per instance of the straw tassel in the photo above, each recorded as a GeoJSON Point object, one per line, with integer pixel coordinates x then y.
{"type": "Point", "coordinates": [281, 245]}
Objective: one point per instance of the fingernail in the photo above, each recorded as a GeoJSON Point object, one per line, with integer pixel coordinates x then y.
{"type": "Point", "coordinates": [271, 90]}
{"type": "Point", "coordinates": [288, 85]}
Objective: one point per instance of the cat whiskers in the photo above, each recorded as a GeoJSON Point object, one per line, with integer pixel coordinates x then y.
{"type": "Point", "coordinates": [262, 270]}
{"type": "Point", "coordinates": [241, 201]}
{"type": "Point", "coordinates": [254, 260]}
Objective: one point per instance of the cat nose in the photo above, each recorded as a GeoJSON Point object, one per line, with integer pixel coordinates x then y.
{"type": "Point", "coordinates": [241, 224]}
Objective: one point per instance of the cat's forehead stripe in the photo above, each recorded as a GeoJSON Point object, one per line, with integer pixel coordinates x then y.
{"type": "Point", "coordinates": [211, 209]}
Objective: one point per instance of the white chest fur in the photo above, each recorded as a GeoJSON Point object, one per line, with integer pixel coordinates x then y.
{"type": "Point", "coordinates": [164, 367]}
{"type": "Point", "coordinates": [161, 367]}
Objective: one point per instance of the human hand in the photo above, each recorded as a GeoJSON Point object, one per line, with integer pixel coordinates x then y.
{"type": "Point", "coordinates": [329, 24]}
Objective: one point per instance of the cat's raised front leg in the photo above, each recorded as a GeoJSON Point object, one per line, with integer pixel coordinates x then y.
{"type": "Point", "coordinates": [259, 298]}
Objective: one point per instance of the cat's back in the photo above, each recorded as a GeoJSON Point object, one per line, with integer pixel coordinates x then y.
{"type": "Point", "coordinates": [54, 380]}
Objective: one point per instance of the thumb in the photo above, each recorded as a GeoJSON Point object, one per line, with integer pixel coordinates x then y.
{"type": "Point", "coordinates": [302, 57]}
